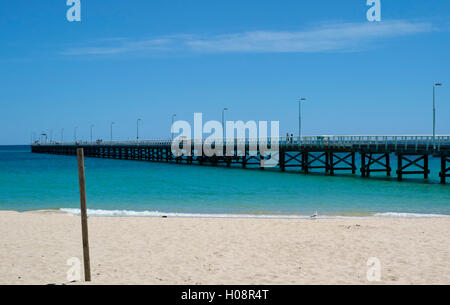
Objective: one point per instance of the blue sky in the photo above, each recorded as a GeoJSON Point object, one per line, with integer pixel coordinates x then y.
{"type": "Point", "coordinates": [150, 59]}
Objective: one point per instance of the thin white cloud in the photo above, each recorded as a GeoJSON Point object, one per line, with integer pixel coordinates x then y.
{"type": "Point", "coordinates": [336, 37]}
{"type": "Point", "coordinates": [326, 38]}
{"type": "Point", "coordinates": [123, 46]}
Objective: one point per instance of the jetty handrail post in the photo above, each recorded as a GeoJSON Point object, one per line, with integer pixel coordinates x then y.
{"type": "Point", "coordinates": [83, 212]}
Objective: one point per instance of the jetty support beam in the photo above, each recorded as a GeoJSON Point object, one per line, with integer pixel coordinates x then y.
{"type": "Point", "coordinates": [369, 160]}
{"type": "Point", "coordinates": [412, 160]}
{"type": "Point", "coordinates": [312, 161]}
{"type": "Point", "coordinates": [339, 162]}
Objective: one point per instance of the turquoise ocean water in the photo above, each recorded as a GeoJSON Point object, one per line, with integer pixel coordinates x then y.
{"type": "Point", "coordinates": [115, 187]}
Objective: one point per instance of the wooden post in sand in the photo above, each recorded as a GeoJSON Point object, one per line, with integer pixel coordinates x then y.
{"type": "Point", "coordinates": [84, 224]}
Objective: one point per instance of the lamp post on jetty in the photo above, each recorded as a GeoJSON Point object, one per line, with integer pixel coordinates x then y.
{"type": "Point", "coordinates": [111, 129]}
{"type": "Point", "coordinates": [75, 134]}
{"type": "Point", "coordinates": [300, 100]}
{"type": "Point", "coordinates": [92, 127]}
{"type": "Point", "coordinates": [137, 129]}
{"type": "Point", "coordinates": [171, 133]}
{"type": "Point", "coordinates": [44, 135]}
{"type": "Point", "coordinates": [434, 114]}
{"type": "Point", "coordinates": [223, 123]}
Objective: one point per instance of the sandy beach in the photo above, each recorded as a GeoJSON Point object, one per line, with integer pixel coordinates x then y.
{"type": "Point", "coordinates": [35, 247]}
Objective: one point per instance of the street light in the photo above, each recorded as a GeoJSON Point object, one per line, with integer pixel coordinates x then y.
{"type": "Point", "coordinates": [137, 129]}
{"type": "Point", "coordinates": [62, 135]}
{"type": "Point", "coordinates": [173, 118]}
{"type": "Point", "coordinates": [45, 135]}
{"type": "Point", "coordinates": [223, 123]}
{"type": "Point", "coordinates": [92, 127]}
{"type": "Point", "coordinates": [112, 123]}
{"type": "Point", "coordinates": [75, 134]}
{"type": "Point", "coordinates": [300, 100]}
{"type": "Point", "coordinates": [434, 114]}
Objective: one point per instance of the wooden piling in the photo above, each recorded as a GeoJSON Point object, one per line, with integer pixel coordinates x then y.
{"type": "Point", "coordinates": [443, 172]}
{"type": "Point", "coordinates": [329, 167]}
{"type": "Point", "coordinates": [388, 165]}
{"type": "Point", "coordinates": [244, 159]}
{"type": "Point", "coordinates": [399, 167]}
{"type": "Point", "coordinates": [353, 163]}
{"type": "Point", "coordinates": [83, 209]}
{"type": "Point", "coordinates": [363, 165]}
{"type": "Point", "coordinates": [305, 161]}
{"type": "Point", "coordinates": [282, 160]}
{"type": "Point", "coordinates": [368, 165]}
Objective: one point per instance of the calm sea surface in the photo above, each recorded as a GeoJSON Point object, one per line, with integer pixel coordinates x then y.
{"type": "Point", "coordinates": [34, 181]}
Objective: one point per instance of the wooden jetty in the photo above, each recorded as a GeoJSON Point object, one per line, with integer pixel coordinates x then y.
{"type": "Point", "coordinates": [330, 154]}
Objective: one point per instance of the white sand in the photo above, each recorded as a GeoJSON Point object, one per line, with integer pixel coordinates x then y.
{"type": "Point", "coordinates": [35, 247]}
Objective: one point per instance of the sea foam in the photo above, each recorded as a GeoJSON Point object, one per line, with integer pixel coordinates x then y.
{"type": "Point", "coordinates": [130, 213]}
{"type": "Point", "coordinates": [409, 215]}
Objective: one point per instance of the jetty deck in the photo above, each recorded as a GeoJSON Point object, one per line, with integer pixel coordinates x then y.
{"type": "Point", "coordinates": [329, 154]}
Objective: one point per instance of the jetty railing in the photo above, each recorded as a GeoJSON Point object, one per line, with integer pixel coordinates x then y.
{"type": "Point", "coordinates": [397, 141]}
